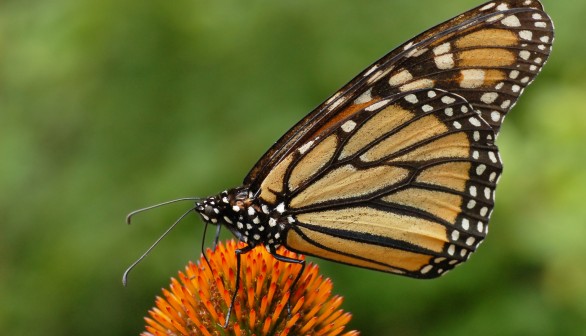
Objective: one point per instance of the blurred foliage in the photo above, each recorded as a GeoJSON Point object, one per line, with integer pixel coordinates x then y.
{"type": "Point", "coordinates": [110, 105]}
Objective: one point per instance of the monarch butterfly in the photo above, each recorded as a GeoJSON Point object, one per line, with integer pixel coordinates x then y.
{"type": "Point", "coordinates": [397, 170]}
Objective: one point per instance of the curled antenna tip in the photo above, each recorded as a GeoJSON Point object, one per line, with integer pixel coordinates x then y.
{"type": "Point", "coordinates": [125, 275]}
{"type": "Point", "coordinates": [128, 218]}
{"type": "Point", "coordinates": [125, 278]}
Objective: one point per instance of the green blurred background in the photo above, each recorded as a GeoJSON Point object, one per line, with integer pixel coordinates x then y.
{"type": "Point", "coordinates": [110, 105]}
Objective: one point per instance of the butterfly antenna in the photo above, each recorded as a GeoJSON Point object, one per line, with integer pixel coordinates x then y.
{"type": "Point", "coordinates": [130, 215]}
{"type": "Point", "coordinates": [125, 275]}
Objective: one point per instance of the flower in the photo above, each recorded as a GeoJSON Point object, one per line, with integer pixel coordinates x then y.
{"type": "Point", "coordinates": [198, 303]}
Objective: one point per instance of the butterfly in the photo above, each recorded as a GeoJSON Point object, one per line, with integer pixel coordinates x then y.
{"type": "Point", "coordinates": [396, 171]}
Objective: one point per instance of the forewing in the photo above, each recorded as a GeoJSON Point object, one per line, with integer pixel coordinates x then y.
{"type": "Point", "coordinates": [487, 55]}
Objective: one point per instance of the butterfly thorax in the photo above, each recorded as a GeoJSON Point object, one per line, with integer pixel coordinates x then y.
{"type": "Point", "coordinates": [247, 217]}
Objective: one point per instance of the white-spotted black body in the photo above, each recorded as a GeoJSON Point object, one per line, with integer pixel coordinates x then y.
{"type": "Point", "coordinates": [247, 217]}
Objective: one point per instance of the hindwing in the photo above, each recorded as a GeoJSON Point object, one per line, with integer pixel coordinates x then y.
{"type": "Point", "coordinates": [404, 185]}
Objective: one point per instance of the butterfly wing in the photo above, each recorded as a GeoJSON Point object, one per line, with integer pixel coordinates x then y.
{"type": "Point", "coordinates": [397, 170]}
{"type": "Point", "coordinates": [487, 55]}
{"type": "Point", "coordinates": [405, 185]}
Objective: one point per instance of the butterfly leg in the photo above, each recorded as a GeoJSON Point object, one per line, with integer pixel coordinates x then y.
{"type": "Point", "coordinates": [203, 251]}
{"type": "Point", "coordinates": [291, 261]}
{"type": "Point", "coordinates": [238, 253]}
{"type": "Point", "coordinates": [216, 239]}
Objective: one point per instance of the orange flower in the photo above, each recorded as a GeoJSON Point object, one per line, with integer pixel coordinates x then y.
{"type": "Point", "coordinates": [198, 303]}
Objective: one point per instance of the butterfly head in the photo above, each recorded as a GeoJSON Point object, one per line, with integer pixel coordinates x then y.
{"type": "Point", "coordinates": [246, 216]}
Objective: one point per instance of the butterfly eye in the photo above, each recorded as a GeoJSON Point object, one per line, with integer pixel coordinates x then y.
{"type": "Point", "coordinates": [209, 210]}
{"type": "Point", "coordinates": [242, 195]}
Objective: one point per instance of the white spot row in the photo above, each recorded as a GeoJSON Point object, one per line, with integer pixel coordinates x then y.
{"type": "Point", "coordinates": [448, 100]}
{"type": "Point", "coordinates": [411, 98]}
{"type": "Point", "coordinates": [511, 21]}
{"type": "Point", "coordinates": [379, 74]}
{"type": "Point", "coordinates": [348, 126]}
{"type": "Point", "coordinates": [492, 177]}
{"type": "Point", "coordinates": [472, 78]}
{"type": "Point", "coordinates": [377, 105]}
{"type": "Point", "coordinates": [480, 227]}
{"type": "Point", "coordinates": [337, 103]}
{"type": "Point", "coordinates": [492, 157]}
{"type": "Point", "coordinates": [480, 169]}
{"type": "Point", "coordinates": [400, 78]}
{"type": "Point", "coordinates": [444, 62]}
{"type": "Point", "coordinates": [305, 147]}
{"type": "Point", "coordinates": [365, 97]}
{"type": "Point", "coordinates": [416, 52]}
{"type": "Point", "coordinates": [474, 122]}
{"type": "Point", "coordinates": [526, 35]}
{"type": "Point", "coordinates": [280, 208]}
{"type": "Point", "coordinates": [495, 18]}
{"type": "Point", "coordinates": [476, 136]}
{"type": "Point", "coordinates": [540, 24]}
{"type": "Point", "coordinates": [374, 67]}
{"type": "Point", "coordinates": [489, 97]}
{"type": "Point", "coordinates": [442, 49]}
